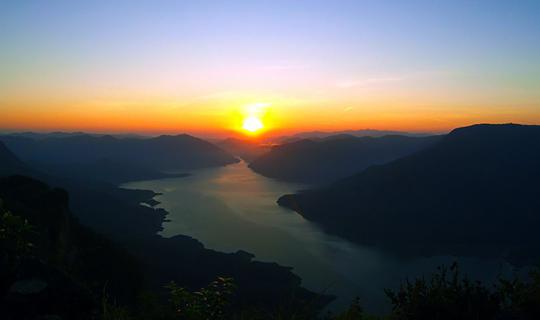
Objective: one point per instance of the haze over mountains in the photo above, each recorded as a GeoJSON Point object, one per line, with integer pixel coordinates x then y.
{"type": "Point", "coordinates": [316, 135]}
{"type": "Point", "coordinates": [245, 149]}
{"type": "Point", "coordinates": [113, 159]}
{"type": "Point", "coordinates": [334, 157]}
{"type": "Point", "coordinates": [478, 186]}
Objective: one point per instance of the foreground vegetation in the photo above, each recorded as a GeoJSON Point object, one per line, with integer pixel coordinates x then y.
{"type": "Point", "coordinates": [56, 288]}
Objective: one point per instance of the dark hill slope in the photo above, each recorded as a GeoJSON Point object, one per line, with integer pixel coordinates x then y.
{"type": "Point", "coordinates": [9, 163]}
{"type": "Point", "coordinates": [67, 267]}
{"type": "Point", "coordinates": [334, 157]}
{"type": "Point", "coordinates": [478, 186]}
{"type": "Point", "coordinates": [99, 205]}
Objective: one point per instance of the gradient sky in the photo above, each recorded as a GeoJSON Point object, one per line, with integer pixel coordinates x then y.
{"type": "Point", "coordinates": [197, 66]}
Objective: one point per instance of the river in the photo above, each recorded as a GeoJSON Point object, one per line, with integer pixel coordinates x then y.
{"type": "Point", "coordinates": [231, 208]}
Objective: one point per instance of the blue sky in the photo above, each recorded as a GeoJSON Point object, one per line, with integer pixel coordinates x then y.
{"type": "Point", "coordinates": [296, 54]}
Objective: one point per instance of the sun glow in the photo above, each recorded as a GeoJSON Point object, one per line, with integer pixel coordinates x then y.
{"type": "Point", "coordinates": [253, 119]}
{"type": "Point", "coordinates": [252, 124]}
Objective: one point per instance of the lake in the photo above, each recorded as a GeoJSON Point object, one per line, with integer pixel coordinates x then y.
{"type": "Point", "coordinates": [232, 208]}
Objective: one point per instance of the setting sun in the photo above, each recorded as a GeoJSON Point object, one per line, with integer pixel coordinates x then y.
{"type": "Point", "coordinates": [252, 124]}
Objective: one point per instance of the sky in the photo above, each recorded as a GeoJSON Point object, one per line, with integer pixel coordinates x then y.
{"type": "Point", "coordinates": [203, 66]}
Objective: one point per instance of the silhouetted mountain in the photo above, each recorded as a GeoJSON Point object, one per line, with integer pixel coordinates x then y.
{"type": "Point", "coordinates": [106, 170]}
{"type": "Point", "coordinates": [478, 186]}
{"type": "Point", "coordinates": [116, 159]}
{"type": "Point", "coordinates": [45, 135]}
{"type": "Point", "coordinates": [9, 163]}
{"type": "Point", "coordinates": [50, 264]}
{"type": "Point", "coordinates": [317, 135]}
{"type": "Point", "coordinates": [62, 134]}
{"type": "Point", "coordinates": [334, 157]}
{"type": "Point", "coordinates": [247, 150]}
{"type": "Point", "coordinates": [117, 214]}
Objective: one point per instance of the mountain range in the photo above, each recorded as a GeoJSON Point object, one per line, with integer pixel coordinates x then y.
{"type": "Point", "coordinates": [112, 222]}
{"type": "Point", "coordinates": [478, 187]}
{"type": "Point", "coordinates": [316, 135]}
{"type": "Point", "coordinates": [334, 157]}
{"type": "Point", "coordinates": [113, 159]}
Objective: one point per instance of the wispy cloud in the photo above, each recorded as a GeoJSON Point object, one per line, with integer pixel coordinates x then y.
{"type": "Point", "coordinates": [367, 82]}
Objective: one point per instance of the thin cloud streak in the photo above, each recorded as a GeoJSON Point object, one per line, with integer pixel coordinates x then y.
{"type": "Point", "coordinates": [367, 82]}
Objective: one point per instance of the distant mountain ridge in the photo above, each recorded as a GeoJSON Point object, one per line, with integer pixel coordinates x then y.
{"type": "Point", "coordinates": [316, 135]}
{"type": "Point", "coordinates": [163, 152]}
{"type": "Point", "coordinates": [334, 157]}
{"type": "Point", "coordinates": [246, 149]}
{"type": "Point", "coordinates": [63, 134]}
{"type": "Point", "coordinates": [478, 186]}
{"type": "Point", "coordinates": [115, 159]}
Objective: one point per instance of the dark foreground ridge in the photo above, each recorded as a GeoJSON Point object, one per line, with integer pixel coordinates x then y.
{"type": "Point", "coordinates": [475, 191]}
{"type": "Point", "coordinates": [51, 265]}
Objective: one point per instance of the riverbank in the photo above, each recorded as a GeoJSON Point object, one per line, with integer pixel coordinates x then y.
{"type": "Point", "coordinates": [231, 208]}
{"type": "Point", "coordinates": [188, 262]}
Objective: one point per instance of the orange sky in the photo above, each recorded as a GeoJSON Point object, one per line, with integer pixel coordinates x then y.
{"type": "Point", "coordinates": [222, 116]}
{"type": "Point", "coordinates": [197, 66]}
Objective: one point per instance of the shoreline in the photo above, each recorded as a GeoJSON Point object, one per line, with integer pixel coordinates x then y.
{"type": "Point", "coordinates": [286, 278]}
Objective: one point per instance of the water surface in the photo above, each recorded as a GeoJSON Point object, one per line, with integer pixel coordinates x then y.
{"type": "Point", "coordinates": [231, 208]}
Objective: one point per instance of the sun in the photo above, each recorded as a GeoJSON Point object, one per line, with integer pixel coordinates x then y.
{"type": "Point", "coordinates": [252, 119]}
{"type": "Point", "coordinates": [252, 124]}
